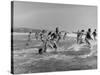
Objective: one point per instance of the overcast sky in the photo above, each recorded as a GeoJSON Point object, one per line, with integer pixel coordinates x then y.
{"type": "Point", "coordinates": [49, 16]}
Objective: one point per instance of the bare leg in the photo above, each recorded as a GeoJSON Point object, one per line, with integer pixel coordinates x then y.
{"type": "Point", "coordinates": [87, 42]}
{"type": "Point", "coordinates": [45, 47]}
{"type": "Point", "coordinates": [77, 40]}
{"type": "Point", "coordinates": [55, 46]}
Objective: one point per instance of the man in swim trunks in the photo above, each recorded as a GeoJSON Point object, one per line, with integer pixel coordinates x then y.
{"type": "Point", "coordinates": [94, 34]}
{"type": "Point", "coordinates": [88, 37]}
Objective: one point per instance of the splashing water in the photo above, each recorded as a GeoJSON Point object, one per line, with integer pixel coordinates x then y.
{"type": "Point", "coordinates": [93, 49]}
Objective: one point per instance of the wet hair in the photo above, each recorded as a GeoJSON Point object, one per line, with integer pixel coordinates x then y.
{"type": "Point", "coordinates": [82, 30]}
{"type": "Point", "coordinates": [89, 30]}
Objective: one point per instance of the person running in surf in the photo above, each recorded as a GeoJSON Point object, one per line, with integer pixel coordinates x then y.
{"type": "Point", "coordinates": [88, 37]}
{"type": "Point", "coordinates": [42, 35]}
{"type": "Point", "coordinates": [49, 41]}
{"type": "Point", "coordinates": [52, 39]}
{"type": "Point", "coordinates": [36, 35]}
{"type": "Point", "coordinates": [81, 37]}
{"type": "Point", "coordinates": [94, 34]}
{"type": "Point", "coordinates": [43, 48]}
{"type": "Point", "coordinates": [29, 38]}
{"type": "Point", "coordinates": [57, 30]}
{"type": "Point", "coordinates": [58, 35]}
{"type": "Point", "coordinates": [44, 42]}
{"type": "Point", "coordinates": [78, 35]}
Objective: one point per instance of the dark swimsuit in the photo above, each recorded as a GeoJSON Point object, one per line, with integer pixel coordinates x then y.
{"type": "Point", "coordinates": [94, 34]}
{"type": "Point", "coordinates": [88, 36]}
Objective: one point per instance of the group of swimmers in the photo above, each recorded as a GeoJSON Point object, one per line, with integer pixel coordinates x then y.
{"type": "Point", "coordinates": [88, 36]}
{"type": "Point", "coordinates": [48, 39]}
{"type": "Point", "coordinates": [51, 38]}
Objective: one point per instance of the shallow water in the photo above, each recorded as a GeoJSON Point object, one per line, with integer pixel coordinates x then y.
{"type": "Point", "coordinates": [67, 57]}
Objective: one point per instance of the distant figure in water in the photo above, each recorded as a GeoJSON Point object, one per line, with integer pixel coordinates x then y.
{"type": "Point", "coordinates": [78, 35]}
{"type": "Point", "coordinates": [81, 37]}
{"type": "Point", "coordinates": [88, 37]}
{"type": "Point", "coordinates": [29, 38]}
{"type": "Point", "coordinates": [36, 35]}
{"type": "Point", "coordinates": [94, 34]}
{"type": "Point", "coordinates": [57, 30]}
{"type": "Point", "coordinates": [65, 35]}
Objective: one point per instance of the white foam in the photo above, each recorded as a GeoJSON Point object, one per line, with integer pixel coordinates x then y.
{"type": "Point", "coordinates": [76, 47]}
{"type": "Point", "coordinates": [71, 35]}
